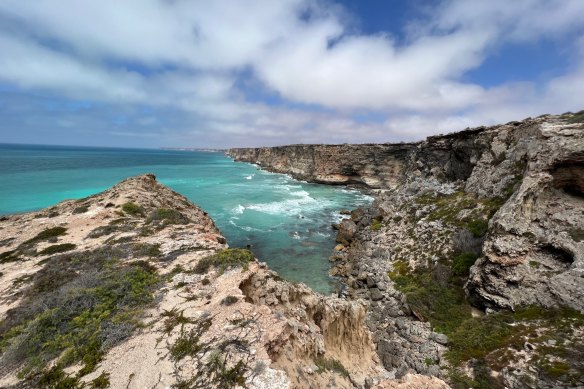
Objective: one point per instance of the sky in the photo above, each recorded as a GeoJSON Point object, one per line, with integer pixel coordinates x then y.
{"type": "Point", "coordinates": [235, 73]}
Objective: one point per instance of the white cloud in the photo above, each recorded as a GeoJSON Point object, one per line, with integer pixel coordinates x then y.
{"type": "Point", "coordinates": [189, 56]}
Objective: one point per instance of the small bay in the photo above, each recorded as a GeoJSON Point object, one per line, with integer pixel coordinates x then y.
{"type": "Point", "coordinates": [287, 223]}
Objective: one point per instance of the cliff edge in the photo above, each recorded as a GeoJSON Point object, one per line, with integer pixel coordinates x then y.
{"type": "Point", "coordinates": [135, 287]}
{"type": "Point", "coordinates": [471, 256]}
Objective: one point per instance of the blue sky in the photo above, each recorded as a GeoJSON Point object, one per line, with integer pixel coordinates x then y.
{"type": "Point", "coordinates": [150, 73]}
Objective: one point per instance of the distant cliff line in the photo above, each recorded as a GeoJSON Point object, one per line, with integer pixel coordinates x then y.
{"type": "Point", "coordinates": [374, 166]}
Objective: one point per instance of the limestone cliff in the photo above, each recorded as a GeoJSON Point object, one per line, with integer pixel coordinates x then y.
{"type": "Point", "coordinates": [135, 287]}
{"type": "Point", "coordinates": [484, 220]}
{"type": "Point", "coordinates": [369, 165]}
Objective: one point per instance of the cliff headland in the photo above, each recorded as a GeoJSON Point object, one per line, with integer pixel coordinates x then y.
{"type": "Point", "coordinates": [135, 287]}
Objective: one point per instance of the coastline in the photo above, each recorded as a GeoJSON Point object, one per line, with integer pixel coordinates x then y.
{"type": "Point", "coordinates": [453, 208]}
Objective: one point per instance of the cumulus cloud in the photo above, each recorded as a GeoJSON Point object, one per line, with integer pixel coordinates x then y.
{"type": "Point", "coordinates": [313, 72]}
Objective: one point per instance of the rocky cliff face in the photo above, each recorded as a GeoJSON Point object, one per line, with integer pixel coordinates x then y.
{"type": "Point", "coordinates": [369, 165]}
{"type": "Point", "coordinates": [135, 288]}
{"type": "Point", "coordinates": [485, 220]}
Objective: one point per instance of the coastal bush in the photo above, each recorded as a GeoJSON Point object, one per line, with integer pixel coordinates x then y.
{"type": "Point", "coordinates": [147, 250]}
{"type": "Point", "coordinates": [577, 117]}
{"type": "Point", "coordinates": [493, 340]}
{"type": "Point", "coordinates": [462, 263]}
{"type": "Point", "coordinates": [173, 318]}
{"type": "Point", "coordinates": [132, 209]}
{"type": "Point", "coordinates": [55, 377]}
{"type": "Point", "coordinates": [108, 230]}
{"type": "Point", "coordinates": [443, 306]}
{"type": "Point", "coordinates": [478, 227]}
{"type": "Point", "coordinates": [376, 225]}
{"type": "Point", "coordinates": [6, 242]}
{"type": "Point", "coordinates": [229, 300]}
{"type": "Point", "coordinates": [101, 382]}
{"type": "Point", "coordinates": [447, 208]}
{"type": "Point", "coordinates": [47, 234]}
{"type": "Point", "coordinates": [165, 216]}
{"type": "Point", "coordinates": [71, 308]}
{"type": "Point", "coordinates": [224, 259]}
{"type": "Point", "coordinates": [9, 256]}
{"type": "Point", "coordinates": [189, 343]}
{"type": "Point", "coordinates": [57, 248]}
{"type": "Point", "coordinates": [330, 364]}
{"type": "Point", "coordinates": [80, 209]}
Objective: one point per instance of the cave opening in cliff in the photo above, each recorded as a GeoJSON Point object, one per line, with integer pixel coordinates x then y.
{"type": "Point", "coordinates": [570, 178]}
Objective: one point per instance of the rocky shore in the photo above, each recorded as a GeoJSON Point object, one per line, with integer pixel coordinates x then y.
{"type": "Point", "coordinates": [471, 258]}
{"type": "Point", "coordinates": [135, 287]}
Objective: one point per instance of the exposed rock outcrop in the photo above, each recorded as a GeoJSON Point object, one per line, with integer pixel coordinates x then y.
{"type": "Point", "coordinates": [491, 216]}
{"type": "Point", "coordinates": [537, 161]}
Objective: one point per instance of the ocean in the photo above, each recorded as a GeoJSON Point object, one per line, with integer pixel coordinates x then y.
{"type": "Point", "coordinates": [286, 222]}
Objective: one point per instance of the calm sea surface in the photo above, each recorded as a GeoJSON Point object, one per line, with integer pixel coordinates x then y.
{"type": "Point", "coordinates": [286, 222]}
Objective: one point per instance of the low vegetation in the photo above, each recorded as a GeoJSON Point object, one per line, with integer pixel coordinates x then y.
{"type": "Point", "coordinates": [57, 248]}
{"type": "Point", "coordinates": [577, 117]}
{"type": "Point", "coordinates": [76, 307]}
{"type": "Point", "coordinates": [132, 209]}
{"type": "Point", "coordinates": [147, 250]}
{"type": "Point", "coordinates": [224, 259]}
{"type": "Point", "coordinates": [494, 341]}
{"type": "Point", "coordinates": [330, 364]}
{"type": "Point", "coordinates": [47, 234]}
{"type": "Point", "coordinates": [433, 296]}
{"type": "Point", "coordinates": [376, 225]}
{"type": "Point", "coordinates": [163, 216]}
{"type": "Point", "coordinates": [434, 292]}
{"type": "Point", "coordinates": [27, 248]}
{"type": "Point", "coordinates": [81, 209]}
{"type": "Point", "coordinates": [9, 256]}
{"type": "Point", "coordinates": [118, 225]}
{"type": "Point", "coordinates": [222, 365]}
{"type": "Point", "coordinates": [448, 208]}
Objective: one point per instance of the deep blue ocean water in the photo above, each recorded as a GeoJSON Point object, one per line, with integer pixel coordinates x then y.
{"type": "Point", "coordinates": [286, 222]}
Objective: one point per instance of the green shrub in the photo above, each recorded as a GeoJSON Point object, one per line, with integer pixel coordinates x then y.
{"type": "Point", "coordinates": [462, 263]}
{"type": "Point", "coordinates": [443, 306]}
{"type": "Point", "coordinates": [229, 300]}
{"type": "Point", "coordinates": [132, 209]}
{"type": "Point", "coordinates": [108, 230]}
{"type": "Point", "coordinates": [189, 343]}
{"type": "Point", "coordinates": [476, 337]}
{"type": "Point", "coordinates": [101, 382]}
{"type": "Point", "coordinates": [9, 256]}
{"type": "Point", "coordinates": [224, 259]}
{"type": "Point", "coordinates": [57, 248]}
{"type": "Point", "coordinates": [173, 318]}
{"type": "Point", "coordinates": [147, 250]}
{"type": "Point", "coordinates": [166, 216]}
{"type": "Point", "coordinates": [47, 234]}
{"type": "Point", "coordinates": [487, 339]}
{"type": "Point", "coordinates": [80, 209]}
{"type": "Point", "coordinates": [56, 378]}
{"type": "Point", "coordinates": [71, 303]}
{"type": "Point", "coordinates": [577, 117]}
{"type": "Point", "coordinates": [330, 364]}
{"type": "Point", "coordinates": [376, 225]}
{"type": "Point", "coordinates": [478, 227]}
{"type": "Point", "coordinates": [556, 369]}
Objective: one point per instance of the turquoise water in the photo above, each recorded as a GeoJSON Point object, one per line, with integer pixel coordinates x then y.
{"type": "Point", "coordinates": [286, 222]}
